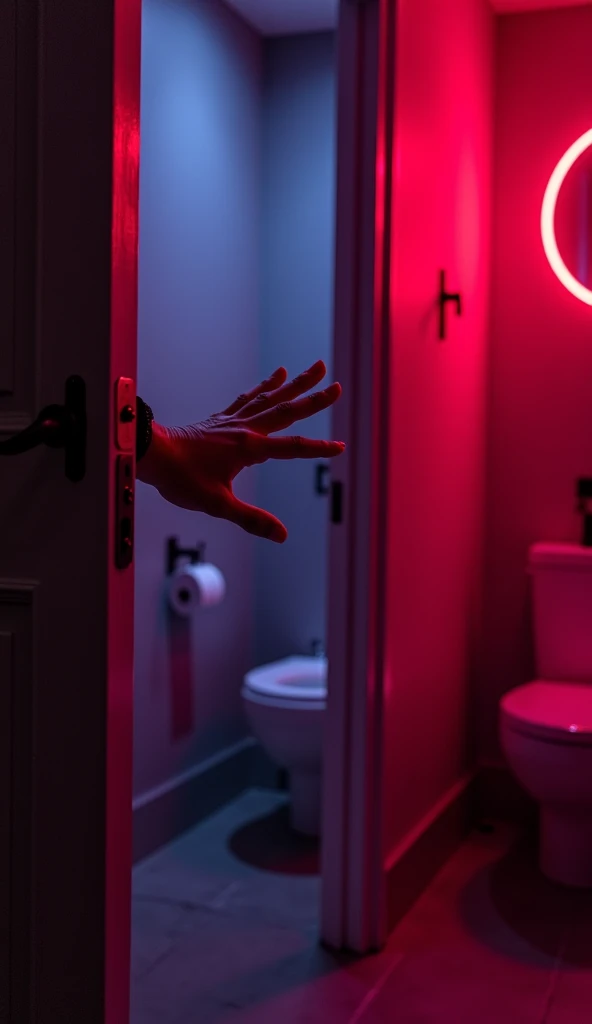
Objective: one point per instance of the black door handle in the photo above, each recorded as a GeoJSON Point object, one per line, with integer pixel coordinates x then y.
{"type": "Point", "coordinates": [58, 426]}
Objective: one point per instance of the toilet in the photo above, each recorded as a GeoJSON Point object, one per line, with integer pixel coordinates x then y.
{"type": "Point", "coordinates": [546, 724]}
{"type": "Point", "coordinates": [285, 705]}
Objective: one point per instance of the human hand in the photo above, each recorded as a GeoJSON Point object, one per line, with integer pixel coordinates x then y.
{"type": "Point", "coordinates": [194, 466]}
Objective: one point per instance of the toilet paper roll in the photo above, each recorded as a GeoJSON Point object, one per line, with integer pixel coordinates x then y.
{"type": "Point", "coordinates": [194, 586]}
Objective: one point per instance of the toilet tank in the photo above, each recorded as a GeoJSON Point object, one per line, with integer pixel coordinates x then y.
{"type": "Point", "coordinates": [562, 611]}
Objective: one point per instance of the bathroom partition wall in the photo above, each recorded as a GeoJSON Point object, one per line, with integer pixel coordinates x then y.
{"type": "Point", "coordinates": [491, 425]}
{"type": "Point", "coordinates": [438, 399]}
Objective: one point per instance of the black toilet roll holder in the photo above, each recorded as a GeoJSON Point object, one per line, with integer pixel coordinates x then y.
{"type": "Point", "coordinates": [174, 553]}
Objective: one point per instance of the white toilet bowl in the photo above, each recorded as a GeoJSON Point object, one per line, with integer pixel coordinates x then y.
{"type": "Point", "coordinates": [285, 705]}
{"type": "Point", "coordinates": [546, 735]}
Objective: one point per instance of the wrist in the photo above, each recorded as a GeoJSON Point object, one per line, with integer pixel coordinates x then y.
{"type": "Point", "coordinates": [150, 468]}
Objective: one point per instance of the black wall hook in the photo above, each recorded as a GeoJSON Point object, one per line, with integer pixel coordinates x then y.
{"type": "Point", "coordinates": [446, 297]}
{"type": "Point", "coordinates": [321, 478]}
{"type": "Point", "coordinates": [174, 553]}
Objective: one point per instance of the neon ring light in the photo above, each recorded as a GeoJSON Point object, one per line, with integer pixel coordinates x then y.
{"type": "Point", "coordinates": [548, 218]}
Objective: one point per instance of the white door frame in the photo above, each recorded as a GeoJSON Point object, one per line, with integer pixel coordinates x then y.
{"type": "Point", "coordinates": [353, 874]}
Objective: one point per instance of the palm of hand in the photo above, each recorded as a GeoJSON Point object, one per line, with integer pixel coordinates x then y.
{"type": "Point", "coordinates": [204, 458]}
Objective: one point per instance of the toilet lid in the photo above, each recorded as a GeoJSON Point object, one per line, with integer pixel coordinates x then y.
{"type": "Point", "coordinates": [552, 710]}
{"type": "Point", "coordinates": [297, 678]}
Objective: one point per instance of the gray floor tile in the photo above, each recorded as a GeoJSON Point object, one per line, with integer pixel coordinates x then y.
{"type": "Point", "coordinates": [154, 928]}
{"type": "Point", "coordinates": [478, 945]}
{"type": "Point", "coordinates": [216, 964]}
{"type": "Point", "coordinates": [461, 984]}
{"type": "Point", "coordinates": [222, 936]}
{"type": "Point", "coordinates": [238, 942]}
{"type": "Point", "coordinates": [201, 869]}
{"type": "Point", "coordinates": [248, 971]}
{"type": "Point", "coordinates": [198, 864]}
{"type": "Point", "coordinates": [572, 997]}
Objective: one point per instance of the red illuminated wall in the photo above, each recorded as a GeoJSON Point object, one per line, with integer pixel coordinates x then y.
{"type": "Point", "coordinates": [540, 420]}
{"type": "Point", "coordinates": [444, 122]}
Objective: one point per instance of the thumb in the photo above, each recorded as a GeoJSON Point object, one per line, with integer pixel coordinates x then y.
{"type": "Point", "coordinates": [254, 520]}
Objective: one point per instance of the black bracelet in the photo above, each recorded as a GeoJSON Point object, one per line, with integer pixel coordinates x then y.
{"type": "Point", "coordinates": [144, 420]}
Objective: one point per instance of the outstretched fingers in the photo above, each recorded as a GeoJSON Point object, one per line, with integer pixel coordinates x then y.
{"type": "Point", "coordinates": [293, 389]}
{"type": "Point", "coordinates": [286, 413]}
{"type": "Point", "coordinates": [300, 448]}
{"type": "Point", "coordinates": [270, 384]}
{"type": "Point", "coordinates": [254, 520]}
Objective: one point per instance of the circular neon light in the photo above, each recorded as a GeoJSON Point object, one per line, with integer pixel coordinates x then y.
{"type": "Point", "coordinates": [548, 218]}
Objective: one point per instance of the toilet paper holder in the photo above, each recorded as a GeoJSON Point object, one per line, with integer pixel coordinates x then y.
{"type": "Point", "coordinates": [174, 553]}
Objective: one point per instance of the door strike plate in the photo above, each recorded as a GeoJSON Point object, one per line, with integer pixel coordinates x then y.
{"type": "Point", "coordinates": [124, 518]}
{"type": "Point", "coordinates": [125, 414]}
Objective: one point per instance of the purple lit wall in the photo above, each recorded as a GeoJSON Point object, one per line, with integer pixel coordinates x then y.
{"type": "Point", "coordinates": [236, 256]}
{"type": "Point", "coordinates": [198, 349]}
{"type": "Point", "coordinates": [444, 110]}
{"type": "Point", "coordinates": [299, 126]}
{"type": "Point", "coordinates": [541, 370]}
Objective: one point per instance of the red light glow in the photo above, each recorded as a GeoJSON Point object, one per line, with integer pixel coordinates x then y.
{"type": "Point", "coordinates": [548, 218]}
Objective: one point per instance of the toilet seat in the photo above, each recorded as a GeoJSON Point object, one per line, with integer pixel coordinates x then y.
{"type": "Point", "coordinates": [294, 680]}
{"type": "Point", "coordinates": [553, 711]}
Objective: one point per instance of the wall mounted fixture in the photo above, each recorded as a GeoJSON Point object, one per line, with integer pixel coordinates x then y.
{"type": "Point", "coordinates": [548, 218]}
{"type": "Point", "coordinates": [174, 553]}
{"type": "Point", "coordinates": [444, 298]}
{"type": "Point", "coordinates": [321, 478]}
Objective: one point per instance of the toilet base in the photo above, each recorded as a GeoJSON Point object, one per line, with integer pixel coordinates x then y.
{"type": "Point", "coordinates": [566, 847]}
{"type": "Point", "coordinates": [305, 811]}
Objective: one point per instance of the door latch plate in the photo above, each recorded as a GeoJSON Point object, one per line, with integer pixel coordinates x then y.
{"type": "Point", "coordinates": [125, 414]}
{"type": "Point", "coordinates": [124, 519]}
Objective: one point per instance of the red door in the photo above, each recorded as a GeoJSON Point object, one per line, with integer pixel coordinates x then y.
{"type": "Point", "coordinates": [69, 78]}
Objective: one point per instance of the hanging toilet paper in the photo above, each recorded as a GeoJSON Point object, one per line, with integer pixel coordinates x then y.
{"type": "Point", "coordinates": [193, 586]}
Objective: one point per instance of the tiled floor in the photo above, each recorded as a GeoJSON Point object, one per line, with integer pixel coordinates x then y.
{"type": "Point", "coordinates": [225, 932]}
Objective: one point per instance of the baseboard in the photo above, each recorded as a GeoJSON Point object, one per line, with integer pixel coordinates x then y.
{"type": "Point", "coordinates": [490, 793]}
{"type": "Point", "coordinates": [415, 861]}
{"type": "Point", "coordinates": [163, 813]}
{"type": "Point", "coordinates": [499, 797]}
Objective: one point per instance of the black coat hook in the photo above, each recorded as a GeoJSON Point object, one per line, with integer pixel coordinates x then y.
{"type": "Point", "coordinates": [444, 298]}
{"type": "Point", "coordinates": [321, 475]}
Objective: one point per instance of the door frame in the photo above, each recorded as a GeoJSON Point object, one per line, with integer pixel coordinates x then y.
{"type": "Point", "coordinates": [353, 912]}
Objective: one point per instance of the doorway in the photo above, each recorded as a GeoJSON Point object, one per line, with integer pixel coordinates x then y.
{"type": "Point", "coordinates": [72, 79]}
{"type": "Point", "coordinates": [237, 210]}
